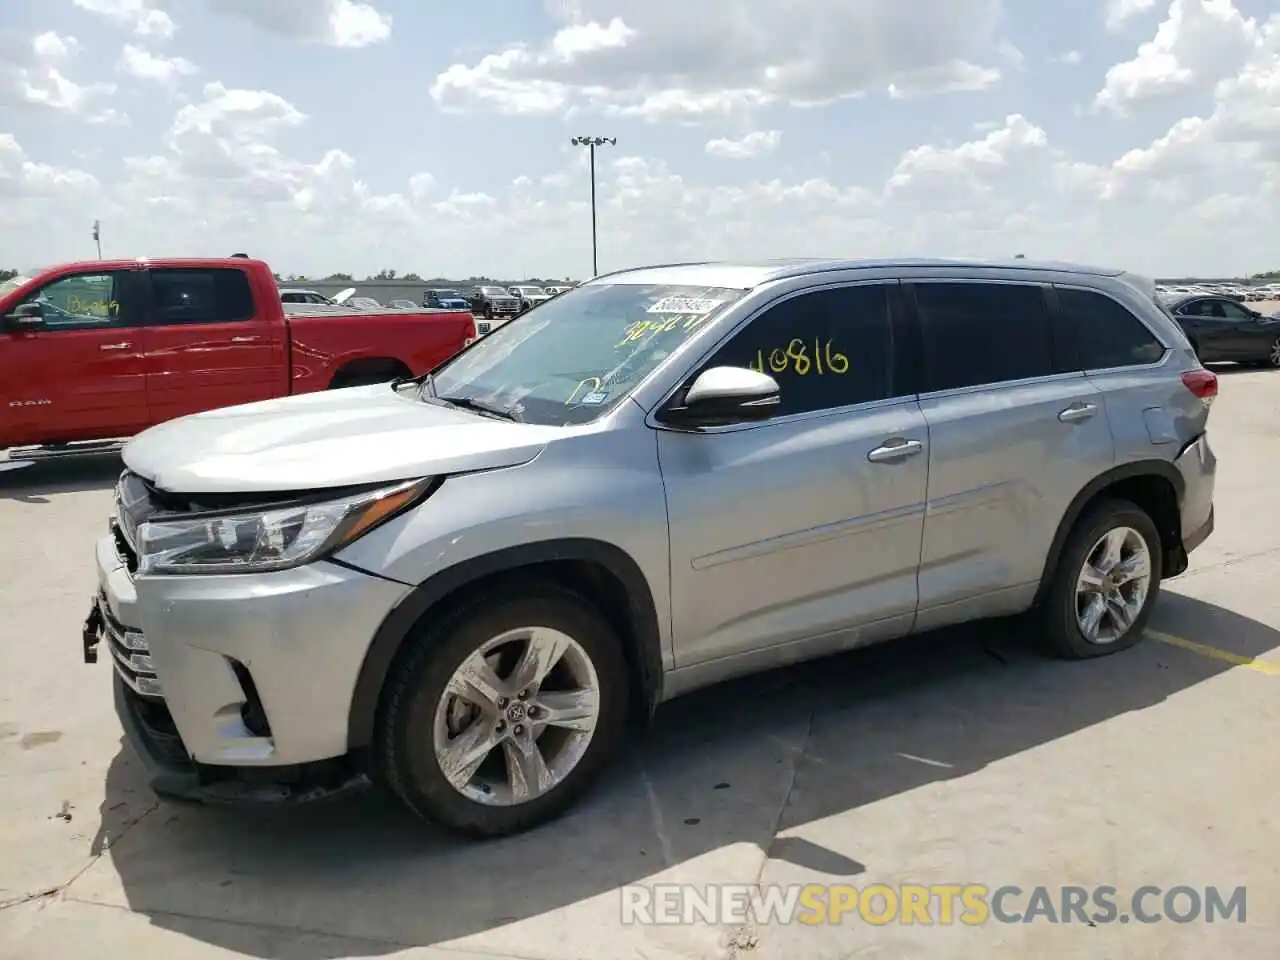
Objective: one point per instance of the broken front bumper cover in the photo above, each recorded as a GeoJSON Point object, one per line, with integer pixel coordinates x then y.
{"type": "Point", "coordinates": [173, 777]}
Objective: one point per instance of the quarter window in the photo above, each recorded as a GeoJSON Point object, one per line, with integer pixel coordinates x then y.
{"type": "Point", "coordinates": [983, 333]}
{"type": "Point", "coordinates": [201, 296]}
{"type": "Point", "coordinates": [85, 302]}
{"type": "Point", "coordinates": [1106, 334]}
{"type": "Point", "coordinates": [826, 349]}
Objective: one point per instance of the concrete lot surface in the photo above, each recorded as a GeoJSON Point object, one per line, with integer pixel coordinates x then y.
{"type": "Point", "coordinates": [960, 757]}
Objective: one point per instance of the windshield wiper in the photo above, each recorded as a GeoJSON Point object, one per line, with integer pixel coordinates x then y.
{"type": "Point", "coordinates": [479, 406]}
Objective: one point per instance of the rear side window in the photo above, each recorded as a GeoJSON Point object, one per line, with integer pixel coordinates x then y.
{"type": "Point", "coordinates": [201, 296]}
{"type": "Point", "coordinates": [1106, 333]}
{"type": "Point", "coordinates": [983, 333]}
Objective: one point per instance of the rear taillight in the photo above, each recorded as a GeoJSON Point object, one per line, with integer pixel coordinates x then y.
{"type": "Point", "coordinates": [1203, 383]}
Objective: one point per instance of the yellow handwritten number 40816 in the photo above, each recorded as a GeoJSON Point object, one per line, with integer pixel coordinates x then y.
{"type": "Point", "coordinates": [796, 358]}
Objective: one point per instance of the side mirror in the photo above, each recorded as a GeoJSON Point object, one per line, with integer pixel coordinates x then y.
{"type": "Point", "coordinates": [27, 316]}
{"type": "Point", "coordinates": [724, 395]}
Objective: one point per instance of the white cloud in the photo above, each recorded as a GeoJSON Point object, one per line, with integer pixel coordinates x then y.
{"type": "Point", "coordinates": [754, 144]}
{"type": "Point", "coordinates": [31, 76]}
{"type": "Point", "coordinates": [1120, 12]}
{"type": "Point", "coordinates": [335, 23]}
{"type": "Point", "coordinates": [146, 18]}
{"type": "Point", "coordinates": [655, 61]}
{"type": "Point", "coordinates": [1070, 58]}
{"type": "Point", "coordinates": [141, 63]}
{"type": "Point", "coordinates": [1199, 43]}
{"type": "Point", "coordinates": [229, 172]}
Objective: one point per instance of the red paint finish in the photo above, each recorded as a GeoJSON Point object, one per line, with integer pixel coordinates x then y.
{"type": "Point", "coordinates": [131, 343]}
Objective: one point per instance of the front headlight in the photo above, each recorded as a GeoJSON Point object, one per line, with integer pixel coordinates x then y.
{"type": "Point", "coordinates": [273, 538]}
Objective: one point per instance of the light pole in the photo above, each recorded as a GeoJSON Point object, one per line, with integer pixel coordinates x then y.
{"type": "Point", "coordinates": [97, 237]}
{"type": "Point", "coordinates": [591, 143]}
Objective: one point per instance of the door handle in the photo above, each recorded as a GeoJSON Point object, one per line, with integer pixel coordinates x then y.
{"type": "Point", "coordinates": [1077, 412]}
{"type": "Point", "coordinates": [896, 449]}
{"type": "Point", "coordinates": [115, 346]}
{"type": "Point", "coordinates": [244, 339]}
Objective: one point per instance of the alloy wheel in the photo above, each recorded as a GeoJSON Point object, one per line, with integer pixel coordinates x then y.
{"type": "Point", "coordinates": [1113, 584]}
{"type": "Point", "coordinates": [517, 716]}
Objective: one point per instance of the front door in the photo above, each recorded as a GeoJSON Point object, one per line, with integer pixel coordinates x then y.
{"type": "Point", "coordinates": [209, 344]}
{"type": "Point", "coordinates": [80, 375]}
{"type": "Point", "coordinates": [801, 534]}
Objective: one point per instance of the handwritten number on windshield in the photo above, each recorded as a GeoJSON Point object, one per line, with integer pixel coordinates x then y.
{"type": "Point", "coordinates": [796, 359]}
{"type": "Point", "coordinates": [643, 329]}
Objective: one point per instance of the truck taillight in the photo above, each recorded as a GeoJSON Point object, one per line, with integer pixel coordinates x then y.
{"type": "Point", "coordinates": [1203, 383]}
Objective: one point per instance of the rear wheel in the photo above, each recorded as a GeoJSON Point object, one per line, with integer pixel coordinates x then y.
{"type": "Point", "coordinates": [1105, 585]}
{"type": "Point", "coordinates": [505, 711]}
{"type": "Point", "coordinates": [1273, 355]}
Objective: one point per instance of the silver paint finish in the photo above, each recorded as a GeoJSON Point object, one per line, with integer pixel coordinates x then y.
{"type": "Point", "coordinates": [302, 634]}
{"type": "Point", "coordinates": [330, 439]}
{"type": "Point", "coordinates": [760, 543]}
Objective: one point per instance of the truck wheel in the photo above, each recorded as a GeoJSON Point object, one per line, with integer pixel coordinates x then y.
{"type": "Point", "coordinates": [504, 711]}
{"type": "Point", "coordinates": [1105, 585]}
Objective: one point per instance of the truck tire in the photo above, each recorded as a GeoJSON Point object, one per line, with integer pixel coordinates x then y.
{"type": "Point", "coordinates": [1105, 585]}
{"type": "Point", "coordinates": [473, 739]}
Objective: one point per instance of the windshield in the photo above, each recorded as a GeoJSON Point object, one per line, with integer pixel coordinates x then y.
{"type": "Point", "coordinates": [12, 284]}
{"type": "Point", "coordinates": [581, 353]}
{"type": "Point", "coordinates": [493, 291]}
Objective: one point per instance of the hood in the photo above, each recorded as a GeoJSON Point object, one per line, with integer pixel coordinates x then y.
{"type": "Point", "coordinates": [322, 440]}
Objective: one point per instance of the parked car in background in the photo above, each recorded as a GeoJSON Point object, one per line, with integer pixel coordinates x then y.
{"type": "Point", "coordinates": [1220, 329]}
{"type": "Point", "coordinates": [666, 478]}
{"type": "Point", "coordinates": [104, 349]}
{"type": "Point", "coordinates": [556, 289]}
{"type": "Point", "coordinates": [365, 303]}
{"type": "Point", "coordinates": [530, 296]}
{"type": "Point", "coordinates": [494, 304]}
{"type": "Point", "coordinates": [404, 305]}
{"type": "Point", "coordinates": [443, 298]}
{"type": "Point", "coordinates": [291, 295]}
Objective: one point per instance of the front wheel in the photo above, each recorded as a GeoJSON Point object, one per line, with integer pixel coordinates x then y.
{"type": "Point", "coordinates": [1273, 355]}
{"type": "Point", "coordinates": [1105, 584]}
{"type": "Point", "coordinates": [504, 712]}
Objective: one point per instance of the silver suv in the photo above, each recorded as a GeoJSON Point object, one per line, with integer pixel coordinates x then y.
{"type": "Point", "coordinates": [463, 586]}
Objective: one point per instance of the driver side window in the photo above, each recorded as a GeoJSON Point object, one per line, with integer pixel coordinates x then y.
{"type": "Point", "coordinates": [826, 349]}
{"type": "Point", "coordinates": [85, 301]}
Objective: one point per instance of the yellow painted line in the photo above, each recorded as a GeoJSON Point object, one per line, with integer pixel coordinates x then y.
{"type": "Point", "coordinates": [1213, 653]}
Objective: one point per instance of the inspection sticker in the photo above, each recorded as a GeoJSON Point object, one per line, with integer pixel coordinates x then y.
{"type": "Point", "coordinates": [694, 305]}
{"type": "Point", "coordinates": [595, 399]}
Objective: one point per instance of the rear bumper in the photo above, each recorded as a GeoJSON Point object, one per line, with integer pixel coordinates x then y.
{"type": "Point", "coordinates": [1198, 536]}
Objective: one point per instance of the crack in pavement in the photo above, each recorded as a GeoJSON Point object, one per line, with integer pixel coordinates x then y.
{"type": "Point", "coordinates": [747, 937]}
{"type": "Point", "coordinates": [94, 856]}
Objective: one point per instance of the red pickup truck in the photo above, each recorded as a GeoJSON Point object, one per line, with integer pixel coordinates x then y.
{"type": "Point", "coordinates": [101, 350]}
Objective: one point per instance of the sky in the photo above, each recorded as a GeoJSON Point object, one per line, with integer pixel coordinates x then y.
{"type": "Point", "coordinates": [416, 135]}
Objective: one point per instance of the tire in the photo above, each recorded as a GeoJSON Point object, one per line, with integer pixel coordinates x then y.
{"type": "Point", "coordinates": [1059, 623]}
{"type": "Point", "coordinates": [1273, 354]}
{"type": "Point", "coordinates": [418, 705]}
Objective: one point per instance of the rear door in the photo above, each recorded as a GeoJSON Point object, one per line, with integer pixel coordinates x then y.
{"type": "Point", "coordinates": [1014, 435]}
{"type": "Point", "coordinates": [209, 344]}
{"type": "Point", "coordinates": [81, 375]}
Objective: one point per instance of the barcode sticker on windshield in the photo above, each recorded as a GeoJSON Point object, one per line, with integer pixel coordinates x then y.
{"type": "Point", "coordinates": [696, 305]}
